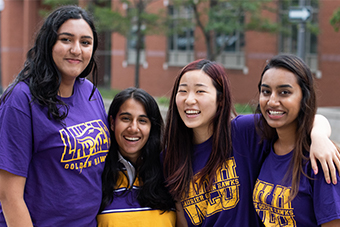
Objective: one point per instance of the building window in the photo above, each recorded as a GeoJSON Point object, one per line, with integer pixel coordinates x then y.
{"type": "Point", "coordinates": [132, 44]}
{"type": "Point", "coordinates": [181, 41]}
{"type": "Point", "coordinates": [288, 37]}
{"type": "Point", "coordinates": [232, 55]}
{"type": "Point", "coordinates": [229, 44]}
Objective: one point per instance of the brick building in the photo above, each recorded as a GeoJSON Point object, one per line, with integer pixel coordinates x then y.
{"type": "Point", "coordinates": [163, 56]}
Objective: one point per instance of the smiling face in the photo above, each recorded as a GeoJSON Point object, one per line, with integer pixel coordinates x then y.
{"type": "Point", "coordinates": [196, 102]}
{"type": "Point", "coordinates": [280, 98]}
{"type": "Point", "coordinates": [131, 128]}
{"type": "Point", "coordinates": [73, 49]}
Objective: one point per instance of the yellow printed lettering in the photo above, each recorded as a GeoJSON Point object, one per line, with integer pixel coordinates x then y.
{"type": "Point", "coordinates": [223, 195]}
{"type": "Point", "coordinates": [277, 210]}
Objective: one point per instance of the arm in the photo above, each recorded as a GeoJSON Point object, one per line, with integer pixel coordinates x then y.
{"type": "Point", "coordinates": [323, 149]}
{"type": "Point", "coordinates": [334, 223]}
{"type": "Point", "coordinates": [181, 221]}
{"type": "Point", "coordinates": [12, 201]}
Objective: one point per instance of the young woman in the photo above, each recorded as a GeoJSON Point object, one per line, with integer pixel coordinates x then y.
{"type": "Point", "coordinates": [134, 192]}
{"type": "Point", "coordinates": [53, 129]}
{"type": "Point", "coordinates": [210, 162]}
{"type": "Point", "coordinates": [287, 192]}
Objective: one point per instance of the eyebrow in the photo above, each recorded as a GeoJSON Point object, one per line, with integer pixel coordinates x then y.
{"type": "Point", "coordinates": [197, 85]}
{"type": "Point", "coordinates": [69, 34]}
{"type": "Point", "coordinates": [280, 86]}
{"type": "Point", "coordinates": [127, 113]}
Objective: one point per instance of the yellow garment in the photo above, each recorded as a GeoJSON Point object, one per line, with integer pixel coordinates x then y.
{"type": "Point", "coordinates": [146, 218]}
{"type": "Point", "coordinates": [125, 211]}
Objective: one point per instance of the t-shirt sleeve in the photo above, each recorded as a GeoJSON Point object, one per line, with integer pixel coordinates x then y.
{"type": "Point", "coordinates": [15, 134]}
{"type": "Point", "coordinates": [326, 199]}
{"type": "Point", "coordinates": [246, 138]}
{"type": "Point", "coordinates": [100, 99]}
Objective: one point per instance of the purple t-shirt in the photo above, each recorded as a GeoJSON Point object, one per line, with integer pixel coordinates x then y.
{"type": "Point", "coordinates": [316, 202]}
{"type": "Point", "coordinates": [229, 202]}
{"type": "Point", "coordinates": [62, 164]}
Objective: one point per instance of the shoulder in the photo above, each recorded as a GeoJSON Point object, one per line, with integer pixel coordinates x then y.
{"type": "Point", "coordinates": [84, 84]}
{"type": "Point", "coordinates": [245, 134]}
{"type": "Point", "coordinates": [17, 96]}
{"type": "Point", "coordinates": [85, 87]}
{"type": "Point", "coordinates": [243, 122]}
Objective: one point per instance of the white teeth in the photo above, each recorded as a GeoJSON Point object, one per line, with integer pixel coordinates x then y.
{"type": "Point", "coordinates": [192, 112]}
{"type": "Point", "coordinates": [272, 112]}
{"type": "Point", "coordinates": [132, 138]}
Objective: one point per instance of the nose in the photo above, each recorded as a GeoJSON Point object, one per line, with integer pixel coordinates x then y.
{"type": "Point", "coordinates": [273, 100]}
{"type": "Point", "coordinates": [75, 48]}
{"type": "Point", "coordinates": [191, 98]}
{"type": "Point", "coordinates": [133, 127]}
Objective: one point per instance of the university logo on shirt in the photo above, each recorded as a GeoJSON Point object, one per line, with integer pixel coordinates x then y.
{"type": "Point", "coordinates": [85, 145]}
{"type": "Point", "coordinates": [272, 204]}
{"type": "Point", "coordinates": [223, 195]}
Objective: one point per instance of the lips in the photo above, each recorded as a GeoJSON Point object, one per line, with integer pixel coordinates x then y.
{"type": "Point", "coordinates": [72, 60]}
{"type": "Point", "coordinates": [192, 112]}
{"type": "Point", "coordinates": [276, 112]}
{"type": "Point", "coordinates": [131, 139]}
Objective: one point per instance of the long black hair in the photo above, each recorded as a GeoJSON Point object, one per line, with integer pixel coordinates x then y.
{"type": "Point", "coordinates": [178, 138]}
{"type": "Point", "coordinates": [153, 192]}
{"type": "Point", "coordinates": [305, 118]}
{"type": "Point", "coordinates": [41, 73]}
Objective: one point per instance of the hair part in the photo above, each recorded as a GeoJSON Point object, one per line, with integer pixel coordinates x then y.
{"type": "Point", "coordinates": [153, 192]}
{"type": "Point", "coordinates": [305, 118]}
{"type": "Point", "coordinates": [41, 73]}
{"type": "Point", "coordinates": [178, 138]}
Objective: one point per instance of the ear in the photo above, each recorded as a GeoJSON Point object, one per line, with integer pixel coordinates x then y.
{"type": "Point", "coordinates": [112, 123]}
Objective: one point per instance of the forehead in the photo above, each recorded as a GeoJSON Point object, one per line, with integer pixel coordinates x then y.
{"type": "Point", "coordinates": [279, 76]}
{"type": "Point", "coordinates": [196, 77]}
{"type": "Point", "coordinates": [76, 27]}
{"type": "Point", "coordinates": [132, 106]}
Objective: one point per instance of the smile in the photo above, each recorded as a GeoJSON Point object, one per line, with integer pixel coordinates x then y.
{"type": "Point", "coordinates": [132, 138]}
{"type": "Point", "coordinates": [192, 112]}
{"type": "Point", "coordinates": [73, 60]}
{"type": "Point", "coordinates": [275, 113]}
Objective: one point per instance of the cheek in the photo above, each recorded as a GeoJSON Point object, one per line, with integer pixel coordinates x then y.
{"type": "Point", "coordinates": [57, 49]}
{"type": "Point", "coordinates": [146, 131]}
{"type": "Point", "coordinates": [118, 129]}
{"type": "Point", "coordinates": [178, 101]}
{"type": "Point", "coordinates": [54, 54]}
{"type": "Point", "coordinates": [88, 53]}
{"type": "Point", "coordinates": [262, 103]}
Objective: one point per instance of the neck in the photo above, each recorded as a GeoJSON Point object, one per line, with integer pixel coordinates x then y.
{"type": "Point", "coordinates": [201, 136]}
{"type": "Point", "coordinates": [285, 142]}
{"type": "Point", "coordinates": [66, 89]}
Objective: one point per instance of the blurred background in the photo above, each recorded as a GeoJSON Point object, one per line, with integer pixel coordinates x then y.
{"type": "Point", "coordinates": [145, 43]}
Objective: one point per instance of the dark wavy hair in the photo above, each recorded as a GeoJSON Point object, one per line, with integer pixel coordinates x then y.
{"type": "Point", "coordinates": [305, 118]}
{"type": "Point", "coordinates": [178, 138]}
{"type": "Point", "coordinates": [40, 71]}
{"type": "Point", "coordinates": [153, 192]}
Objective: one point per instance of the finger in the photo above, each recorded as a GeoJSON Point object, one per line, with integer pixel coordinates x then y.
{"type": "Point", "coordinates": [337, 161]}
{"type": "Point", "coordinates": [326, 172]}
{"type": "Point", "coordinates": [332, 171]}
{"type": "Point", "coordinates": [314, 164]}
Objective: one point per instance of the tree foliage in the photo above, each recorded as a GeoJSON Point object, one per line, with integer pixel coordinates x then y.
{"type": "Point", "coordinates": [335, 19]}
{"type": "Point", "coordinates": [110, 18]}
{"type": "Point", "coordinates": [227, 17]}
